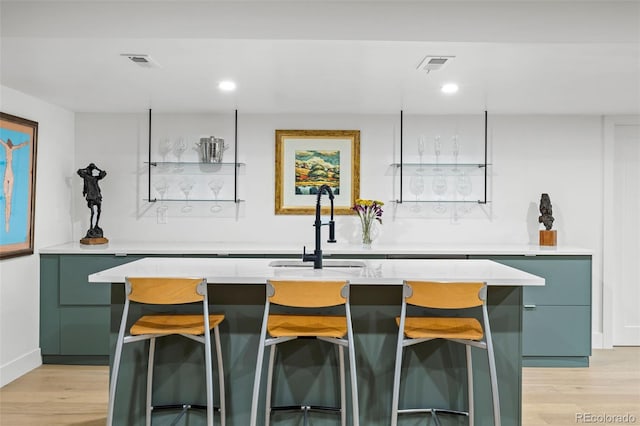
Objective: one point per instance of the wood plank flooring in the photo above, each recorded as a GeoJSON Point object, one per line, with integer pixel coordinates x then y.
{"type": "Point", "coordinates": [77, 395]}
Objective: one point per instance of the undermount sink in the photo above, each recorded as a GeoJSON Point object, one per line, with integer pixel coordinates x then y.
{"type": "Point", "coordinates": [290, 263]}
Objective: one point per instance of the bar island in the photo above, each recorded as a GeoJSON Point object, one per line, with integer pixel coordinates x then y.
{"type": "Point", "coordinates": [236, 288]}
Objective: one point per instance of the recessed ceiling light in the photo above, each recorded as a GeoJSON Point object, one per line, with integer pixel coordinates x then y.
{"type": "Point", "coordinates": [227, 86]}
{"type": "Point", "coordinates": [449, 88]}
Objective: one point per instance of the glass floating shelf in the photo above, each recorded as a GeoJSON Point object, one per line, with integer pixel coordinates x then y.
{"type": "Point", "coordinates": [183, 200]}
{"type": "Point", "coordinates": [442, 165]}
{"type": "Point", "coordinates": [447, 201]}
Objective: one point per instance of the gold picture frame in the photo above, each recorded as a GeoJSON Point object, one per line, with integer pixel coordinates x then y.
{"type": "Point", "coordinates": [18, 148]}
{"type": "Point", "coordinates": [306, 159]}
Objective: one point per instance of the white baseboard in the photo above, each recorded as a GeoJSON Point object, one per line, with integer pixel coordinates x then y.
{"type": "Point", "coordinates": [597, 341]}
{"type": "Point", "coordinates": [19, 367]}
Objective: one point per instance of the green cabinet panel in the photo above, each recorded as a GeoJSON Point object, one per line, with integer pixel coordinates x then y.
{"type": "Point", "coordinates": [568, 278]}
{"type": "Point", "coordinates": [557, 331]}
{"type": "Point", "coordinates": [85, 330]}
{"type": "Point", "coordinates": [49, 308]}
{"type": "Point", "coordinates": [74, 269]}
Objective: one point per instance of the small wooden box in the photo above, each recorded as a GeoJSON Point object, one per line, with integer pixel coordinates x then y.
{"type": "Point", "coordinates": [548, 238]}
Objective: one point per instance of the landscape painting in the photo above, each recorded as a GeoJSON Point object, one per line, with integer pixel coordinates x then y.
{"type": "Point", "coordinates": [317, 168]}
{"type": "Point", "coordinates": [308, 159]}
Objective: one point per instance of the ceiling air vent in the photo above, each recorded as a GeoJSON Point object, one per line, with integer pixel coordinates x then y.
{"type": "Point", "coordinates": [433, 63]}
{"type": "Point", "coordinates": [142, 60]}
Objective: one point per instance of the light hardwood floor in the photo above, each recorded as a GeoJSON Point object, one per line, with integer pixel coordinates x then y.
{"type": "Point", "coordinates": [77, 395]}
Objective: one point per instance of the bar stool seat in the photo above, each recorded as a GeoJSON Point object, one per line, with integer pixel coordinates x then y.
{"type": "Point", "coordinates": [468, 331]}
{"type": "Point", "coordinates": [197, 327]}
{"type": "Point", "coordinates": [278, 328]}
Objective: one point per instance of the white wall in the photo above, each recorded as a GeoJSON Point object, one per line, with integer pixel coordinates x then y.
{"type": "Point", "coordinates": [560, 155]}
{"type": "Point", "coordinates": [20, 277]}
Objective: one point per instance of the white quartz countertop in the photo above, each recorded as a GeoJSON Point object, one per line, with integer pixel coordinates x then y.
{"type": "Point", "coordinates": [382, 272]}
{"type": "Point", "coordinates": [295, 249]}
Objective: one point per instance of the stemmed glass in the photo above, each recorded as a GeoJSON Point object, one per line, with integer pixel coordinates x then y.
{"type": "Point", "coordinates": [422, 140]}
{"type": "Point", "coordinates": [216, 185]}
{"type": "Point", "coordinates": [416, 186]}
{"type": "Point", "coordinates": [439, 186]}
{"type": "Point", "coordinates": [164, 148]}
{"type": "Point", "coordinates": [186, 186]}
{"type": "Point", "coordinates": [464, 187]}
{"type": "Point", "coordinates": [456, 150]}
{"type": "Point", "coordinates": [161, 186]}
{"type": "Point", "coordinates": [437, 148]}
{"type": "Point", "coordinates": [178, 149]}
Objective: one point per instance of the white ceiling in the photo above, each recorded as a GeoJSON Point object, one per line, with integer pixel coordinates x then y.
{"type": "Point", "coordinates": [326, 57]}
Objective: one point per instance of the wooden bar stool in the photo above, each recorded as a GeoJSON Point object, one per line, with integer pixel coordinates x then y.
{"type": "Point", "coordinates": [286, 327]}
{"type": "Point", "coordinates": [467, 331]}
{"type": "Point", "coordinates": [170, 291]}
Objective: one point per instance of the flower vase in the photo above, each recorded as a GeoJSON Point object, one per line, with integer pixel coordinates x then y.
{"type": "Point", "coordinates": [367, 236]}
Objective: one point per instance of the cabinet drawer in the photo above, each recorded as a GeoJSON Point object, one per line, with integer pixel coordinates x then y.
{"type": "Point", "coordinates": [567, 278]}
{"type": "Point", "coordinates": [75, 288]}
{"type": "Point", "coordinates": [84, 331]}
{"type": "Point", "coordinates": [556, 331]}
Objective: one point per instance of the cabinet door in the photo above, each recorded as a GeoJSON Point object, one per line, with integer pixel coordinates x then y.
{"type": "Point", "coordinates": [75, 288]}
{"type": "Point", "coordinates": [84, 330]}
{"type": "Point", "coordinates": [568, 278]}
{"type": "Point", "coordinates": [556, 331]}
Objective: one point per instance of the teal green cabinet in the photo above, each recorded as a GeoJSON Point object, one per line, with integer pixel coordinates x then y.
{"type": "Point", "coordinates": [557, 317]}
{"type": "Point", "coordinates": [74, 314]}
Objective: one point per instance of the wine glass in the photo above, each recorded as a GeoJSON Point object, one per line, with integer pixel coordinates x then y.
{"type": "Point", "coordinates": [464, 187]}
{"type": "Point", "coordinates": [165, 146]}
{"type": "Point", "coordinates": [161, 186]}
{"type": "Point", "coordinates": [416, 186]}
{"type": "Point", "coordinates": [186, 186]}
{"type": "Point", "coordinates": [439, 186]}
{"type": "Point", "coordinates": [216, 185]}
{"type": "Point", "coordinates": [178, 149]}
{"type": "Point", "coordinates": [456, 150]}
{"type": "Point", "coordinates": [437, 148]}
{"type": "Point", "coordinates": [422, 141]}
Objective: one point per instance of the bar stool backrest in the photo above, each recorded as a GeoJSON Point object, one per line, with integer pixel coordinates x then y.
{"type": "Point", "coordinates": [445, 295]}
{"type": "Point", "coordinates": [165, 291]}
{"type": "Point", "coordinates": [308, 294]}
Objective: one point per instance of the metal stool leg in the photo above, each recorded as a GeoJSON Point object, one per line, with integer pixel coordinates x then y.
{"type": "Point", "coordinates": [223, 411]}
{"type": "Point", "coordinates": [152, 352]}
{"type": "Point", "coordinates": [343, 388]}
{"type": "Point", "coordinates": [116, 364]}
{"type": "Point", "coordinates": [267, 405]}
{"type": "Point", "coordinates": [470, 384]}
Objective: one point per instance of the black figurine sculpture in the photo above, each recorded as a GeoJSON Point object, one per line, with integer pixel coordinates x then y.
{"type": "Point", "coordinates": [91, 191]}
{"type": "Point", "coordinates": [546, 212]}
{"type": "Point", "coordinates": [548, 237]}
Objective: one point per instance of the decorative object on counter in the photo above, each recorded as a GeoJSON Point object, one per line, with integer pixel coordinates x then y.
{"type": "Point", "coordinates": [369, 212]}
{"type": "Point", "coordinates": [91, 191]}
{"type": "Point", "coordinates": [308, 159]}
{"type": "Point", "coordinates": [211, 149]}
{"type": "Point", "coordinates": [548, 237]}
{"type": "Point", "coordinates": [18, 139]}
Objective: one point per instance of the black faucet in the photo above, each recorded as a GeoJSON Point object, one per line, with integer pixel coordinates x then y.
{"type": "Point", "coordinates": [317, 253]}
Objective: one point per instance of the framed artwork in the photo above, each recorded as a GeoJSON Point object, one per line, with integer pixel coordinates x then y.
{"type": "Point", "coordinates": [307, 159]}
{"type": "Point", "coordinates": [18, 140]}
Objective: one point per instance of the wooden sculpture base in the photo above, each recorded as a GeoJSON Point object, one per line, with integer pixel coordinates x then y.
{"type": "Point", "coordinates": [94, 241]}
{"type": "Point", "coordinates": [548, 238]}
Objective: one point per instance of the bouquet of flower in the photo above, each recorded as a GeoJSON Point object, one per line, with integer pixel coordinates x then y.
{"type": "Point", "coordinates": [368, 211]}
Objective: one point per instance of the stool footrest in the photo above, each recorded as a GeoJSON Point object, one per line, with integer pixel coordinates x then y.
{"type": "Point", "coordinates": [306, 408]}
{"type": "Point", "coordinates": [433, 410]}
{"type": "Point", "coordinates": [182, 407]}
